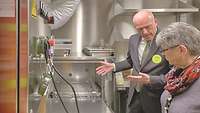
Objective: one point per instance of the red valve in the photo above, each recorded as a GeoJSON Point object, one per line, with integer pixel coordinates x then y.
{"type": "Point", "coordinates": [51, 42]}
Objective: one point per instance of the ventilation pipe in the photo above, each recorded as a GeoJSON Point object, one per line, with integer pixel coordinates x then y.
{"type": "Point", "coordinates": [61, 10]}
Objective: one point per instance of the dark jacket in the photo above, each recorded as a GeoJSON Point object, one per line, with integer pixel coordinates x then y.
{"type": "Point", "coordinates": [150, 93]}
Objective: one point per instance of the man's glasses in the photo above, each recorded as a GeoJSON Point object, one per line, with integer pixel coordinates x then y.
{"type": "Point", "coordinates": [162, 51]}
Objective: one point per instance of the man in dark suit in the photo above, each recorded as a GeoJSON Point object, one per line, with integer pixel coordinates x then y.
{"type": "Point", "coordinates": [147, 63]}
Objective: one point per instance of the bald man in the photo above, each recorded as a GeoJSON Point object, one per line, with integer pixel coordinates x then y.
{"type": "Point", "coordinates": [148, 64]}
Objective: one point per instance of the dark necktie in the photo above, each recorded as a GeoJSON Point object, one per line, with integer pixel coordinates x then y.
{"type": "Point", "coordinates": [144, 56]}
{"type": "Point", "coordinates": [145, 52]}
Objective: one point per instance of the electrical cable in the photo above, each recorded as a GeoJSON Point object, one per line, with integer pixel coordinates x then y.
{"type": "Point", "coordinates": [46, 47]}
{"type": "Point", "coordinates": [59, 94]}
{"type": "Point", "coordinates": [75, 96]}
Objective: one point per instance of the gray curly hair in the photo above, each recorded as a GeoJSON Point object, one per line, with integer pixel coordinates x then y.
{"type": "Point", "coordinates": [180, 33]}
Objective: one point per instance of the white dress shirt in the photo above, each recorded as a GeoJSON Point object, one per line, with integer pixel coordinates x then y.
{"type": "Point", "coordinates": [141, 48]}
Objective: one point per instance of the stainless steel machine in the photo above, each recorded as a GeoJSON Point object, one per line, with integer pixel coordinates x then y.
{"type": "Point", "coordinates": [91, 89]}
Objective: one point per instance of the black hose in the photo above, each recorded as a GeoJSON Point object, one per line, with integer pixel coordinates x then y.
{"type": "Point", "coordinates": [75, 96]}
{"type": "Point", "coordinates": [46, 47]}
{"type": "Point", "coordinates": [59, 94]}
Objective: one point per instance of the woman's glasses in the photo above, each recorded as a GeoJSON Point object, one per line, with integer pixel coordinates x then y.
{"type": "Point", "coordinates": [169, 48]}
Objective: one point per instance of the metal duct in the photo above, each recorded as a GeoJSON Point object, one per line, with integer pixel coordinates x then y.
{"type": "Point", "coordinates": [61, 10]}
{"type": "Point", "coordinates": [88, 26]}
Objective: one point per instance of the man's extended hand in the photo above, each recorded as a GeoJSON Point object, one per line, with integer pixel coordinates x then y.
{"type": "Point", "coordinates": [105, 68]}
{"type": "Point", "coordinates": [142, 78]}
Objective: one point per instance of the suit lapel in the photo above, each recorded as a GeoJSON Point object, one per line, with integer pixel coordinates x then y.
{"type": "Point", "coordinates": [152, 51]}
{"type": "Point", "coordinates": [136, 61]}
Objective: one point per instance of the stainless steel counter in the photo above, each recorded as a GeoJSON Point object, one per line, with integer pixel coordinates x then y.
{"type": "Point", "coordinates": [71, 59]}
{"type": "Point", "coordinates": [86, 106]}
{"type": "Point", "coordinates": [53, 105]}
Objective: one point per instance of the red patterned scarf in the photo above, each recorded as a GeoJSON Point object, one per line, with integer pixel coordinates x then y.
{"type": "Point", "coordinates": [178, 80]}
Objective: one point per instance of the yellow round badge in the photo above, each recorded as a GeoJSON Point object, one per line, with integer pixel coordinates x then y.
{"type": "Point", "coordinates": [156, 59]}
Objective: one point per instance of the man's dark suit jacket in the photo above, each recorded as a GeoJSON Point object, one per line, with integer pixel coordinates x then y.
{"type": "Point", "coordinates": [150, 93]}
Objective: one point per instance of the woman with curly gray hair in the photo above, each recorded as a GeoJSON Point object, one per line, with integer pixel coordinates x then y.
{"type": "Point", "coordinates": [180, 43]}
